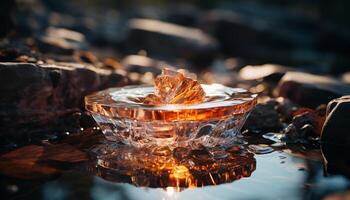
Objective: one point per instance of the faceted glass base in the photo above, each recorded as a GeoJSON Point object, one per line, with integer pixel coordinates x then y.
{"type": "Point", "coordinates": [173, 134]}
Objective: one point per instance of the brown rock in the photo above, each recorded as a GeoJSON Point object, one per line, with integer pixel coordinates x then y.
{"type": "Point", "coordinates": [304, 116]}
{"type": "Point", "coordinates": [311, 90]}
{"type": "Point", "coordinates": [263, 118]}
{"type": "Point", "coordinates": [306, 126]}
{"type": "Point", "coordinates": [34, 95]}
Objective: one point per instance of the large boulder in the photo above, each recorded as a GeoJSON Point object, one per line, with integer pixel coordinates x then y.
{"type": "Point", "coordinates": [166, 40]}
{"type": "Point", "coordinates": [311, 90]}
{"type": "Point", "coordinates": [35, 95]}
{"type": "Point", "coordinates": [336, 127]}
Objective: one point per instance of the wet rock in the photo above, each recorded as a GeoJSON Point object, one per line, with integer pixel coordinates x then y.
{"type": "Point", "coordinates": [305, 135]}
{"type": "Point", "coordinates": [305, 116]}
{"type": "Point", "coordinates": [61, 41]}
{"type": "Point", "coordinates": [166, 40]}
{"type": "Point", "coordinates": [336, 126]}
{"type": "Point", "coordinates": [269, 72]}
{"type": "Point", "coordinates": [285, 108]}
{"type": "Point", "coordinates": [35, 95]}
{"type": "Point", "coordinates": [310, 90]}
{"type": "Point", "coordinates": [291, 135]}
{"type": "Point", "coordinates": [306, 125]}
{"type": "Point", "coordinates": [263, 118]}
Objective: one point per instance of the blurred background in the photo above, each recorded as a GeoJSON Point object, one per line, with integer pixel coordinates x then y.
{"type": "Point", "coordinates": [308, 34]}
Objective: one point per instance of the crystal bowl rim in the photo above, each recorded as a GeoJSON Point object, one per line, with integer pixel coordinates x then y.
{"type": "Point", "coordinates": [102, 103]}
{"type": "Point", "coordinates": [167, 107]}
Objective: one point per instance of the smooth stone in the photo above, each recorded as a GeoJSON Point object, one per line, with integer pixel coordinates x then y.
{"type": "Point", "coordinates": [306, 125]}
{"type": "Point", "coordinates": [311, 90]}
{"type": "Point", "coordinates": [336, 127]}
{"type": "Point", "coordinates": [34, 96]}
{"type": "Point", "coordinates": [170, 41]}
{"type": "Point", "coordinates": [271, 72]}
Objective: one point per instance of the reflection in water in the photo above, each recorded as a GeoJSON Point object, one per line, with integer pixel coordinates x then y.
{"type": "Point", "coordinates": [173, 170]}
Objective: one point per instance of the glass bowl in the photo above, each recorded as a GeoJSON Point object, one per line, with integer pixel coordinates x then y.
{"type": "Point", "coordinates": [217, 121]}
